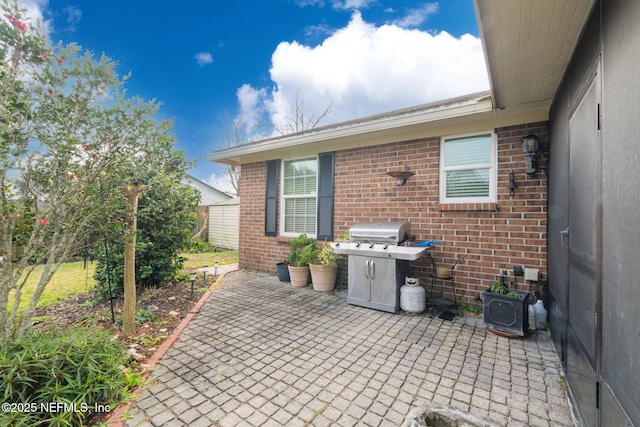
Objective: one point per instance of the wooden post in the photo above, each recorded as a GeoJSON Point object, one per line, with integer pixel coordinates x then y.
{"type": "Point", "coordinates": [131, 194]}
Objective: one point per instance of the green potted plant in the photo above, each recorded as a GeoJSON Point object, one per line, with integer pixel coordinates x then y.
{"type": "Point", "coordinates": [324, 269]}
{"type": "Point", "coordinates": [506, 309]}
{"type": "Point", "coordinates": [302, 250]}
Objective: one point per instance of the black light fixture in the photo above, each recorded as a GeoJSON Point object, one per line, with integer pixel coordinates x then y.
{"type": "Point", "coordinates": [530, 147]}
{"type": "Point", "coordinates": [512, 184]}
{"type": "Point", "coordinates": [192, 278]}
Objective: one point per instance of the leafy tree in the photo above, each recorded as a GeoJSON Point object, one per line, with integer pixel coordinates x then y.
{"type": "Point", "coordinates": [70, 138]}
{"type": "Point", "coordinates": [166, 217]}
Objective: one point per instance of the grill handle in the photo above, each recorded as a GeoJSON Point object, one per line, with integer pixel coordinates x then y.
{"type": "Point", "coordinates": [366, 268]}
{"type": "Point", "coordinates": [368, 236]}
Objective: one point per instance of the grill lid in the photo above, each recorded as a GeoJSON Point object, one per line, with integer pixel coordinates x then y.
{"type": "Point", "coordinates": [383, 232]}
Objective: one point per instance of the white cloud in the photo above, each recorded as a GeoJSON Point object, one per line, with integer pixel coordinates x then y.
{"type": "Point", "coordinates": [35, 16]}
{"type": "Point", "coordinates": [203, 58]}
{"type": "Point", "coordinates": [362, 69]}
{"type": "Point", "coordinates": [305, 3]}
{"type": "Point", "coordinates": [351, 4]}
{"type": "Point", "coordinates": [251, 105]}
{"type": "Point", "coordinates": [221, 181]}
{"type": "Point", "coordinates": [74, 15]}
{"type": "Point", "coordinates": [416, 17]}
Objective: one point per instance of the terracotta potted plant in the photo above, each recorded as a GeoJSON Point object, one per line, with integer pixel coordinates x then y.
{"type": "Point", "coordinates": [324, 269]}
{"type": "Point", "coordinates": [302, 250]}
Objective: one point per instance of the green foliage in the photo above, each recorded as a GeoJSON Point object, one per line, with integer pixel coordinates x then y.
{"type": "Point", "coordinates": [70, 138]}
{"type": "Point", "coordinates": [327, 257]}
{"type": "Point", "coordinates": [302, 251]}
{"type": "Point", "coordinates": [132, 379]}
{"type": "Point", "coordinates": [470, 308]}
{"type": "Point", "coordinates": [544, 326]}
{"type": "Point", "coordinates": [198, 245]}
{"type": "Point", "coordinates": [142, 316]}
{"type": "Point", "coordinates": [500, 289]}
{"type": "Point", "coordinates": [76, 366]}
{"type": "Point", "coordinates": [166, 216]}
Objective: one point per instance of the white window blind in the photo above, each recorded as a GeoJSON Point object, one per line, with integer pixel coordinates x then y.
{"type": "Point", "coordinates": [468, 169]}
{"type": "Point", "coordinates": [300, 181]}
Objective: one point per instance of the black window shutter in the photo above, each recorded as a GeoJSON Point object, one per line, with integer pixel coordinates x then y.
{"type": "Point", "coordinates": [325, 196]}
{"type": "Point", "coordinates": [271, 204]}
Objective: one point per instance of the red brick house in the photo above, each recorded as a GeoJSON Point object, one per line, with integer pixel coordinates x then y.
{"type": "Point", "coordinates": [491, 231]}
{"type": "Point", "coordinates": [564, 71]}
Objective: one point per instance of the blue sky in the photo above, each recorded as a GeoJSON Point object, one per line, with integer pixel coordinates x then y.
{"type": "Point", "coordinates": [212, 62]}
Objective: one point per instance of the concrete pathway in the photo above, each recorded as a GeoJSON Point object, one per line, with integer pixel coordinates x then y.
{"type": "Point", "coordinates": [260, 352]}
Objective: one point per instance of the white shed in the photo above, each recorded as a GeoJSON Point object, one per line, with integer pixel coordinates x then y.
{"type": "Point", "coordinates": [224, 219]}
{"type": "Point", "coordinates": [210, 195]}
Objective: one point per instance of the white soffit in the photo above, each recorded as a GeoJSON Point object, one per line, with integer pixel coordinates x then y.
{"type": "Point", "coordinates": [528, 45]}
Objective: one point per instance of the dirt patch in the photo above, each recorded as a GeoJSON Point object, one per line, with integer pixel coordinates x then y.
{"type": "Point", "coordinates": [160, 311]}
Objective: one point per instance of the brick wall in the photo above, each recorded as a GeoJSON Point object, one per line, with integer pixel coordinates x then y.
{"type": "Point", "coordinates": [488, 236]}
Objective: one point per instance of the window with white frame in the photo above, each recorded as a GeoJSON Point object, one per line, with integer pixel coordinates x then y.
{"type": "Point", "coordinates": [468, 168]}
{"type": "Point", "coordinates": [299, 196]}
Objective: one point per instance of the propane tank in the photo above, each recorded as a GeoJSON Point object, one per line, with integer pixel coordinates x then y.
{"type": "Point", "coordinates": [541, 313]}
{"type": "Point", "coordinates": [412, 296]}
{"type": "Point", "coordinates": [532, 317]}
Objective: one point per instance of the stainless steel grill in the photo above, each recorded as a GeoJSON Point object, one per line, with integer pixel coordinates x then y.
{"type": "Point", "coordinates": [387, 232]}
{"type": "Point", "coordinates": [379, 258]}
{"type": "Point", "coordinates": [380, 240]}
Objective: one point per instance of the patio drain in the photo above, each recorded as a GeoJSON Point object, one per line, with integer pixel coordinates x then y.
{"type": "Point", "coordinates": [444, 416]}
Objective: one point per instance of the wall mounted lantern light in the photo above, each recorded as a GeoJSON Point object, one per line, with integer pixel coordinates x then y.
{"type": "Point", "coordinates": [401, 175]}
{"type": "Point", "coordinates": [530, 146]}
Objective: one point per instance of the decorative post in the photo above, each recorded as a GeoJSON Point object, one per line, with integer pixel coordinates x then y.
{"type": "Point", "coordinates": [131, 194]}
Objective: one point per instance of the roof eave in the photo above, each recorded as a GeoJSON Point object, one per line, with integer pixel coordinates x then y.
{"type": "Point", "coordinates": [385, 128]}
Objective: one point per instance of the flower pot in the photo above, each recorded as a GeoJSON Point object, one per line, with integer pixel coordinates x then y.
{"type": "Point", "coordinates": [299, 276]}
{"type": "Point", "coordinates": [323, 277]}
{"type": "Point", "coordinates": [506, 313]}
{"type": "Point", "coordinates": [283, 272]}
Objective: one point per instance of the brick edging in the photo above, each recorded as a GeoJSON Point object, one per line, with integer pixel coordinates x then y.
{"type": "Point", "coordinates": [115, 418]}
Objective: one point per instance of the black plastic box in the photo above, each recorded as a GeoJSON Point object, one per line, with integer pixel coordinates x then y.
{"type": "Point", "coordinates": [506, 313]}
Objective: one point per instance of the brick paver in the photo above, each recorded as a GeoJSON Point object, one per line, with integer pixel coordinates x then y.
{"type": "Point", "coordinates": [261, 352]}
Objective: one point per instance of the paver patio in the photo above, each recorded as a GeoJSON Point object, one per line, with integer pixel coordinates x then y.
{"type": "Point", "coordinates": [263, 353]}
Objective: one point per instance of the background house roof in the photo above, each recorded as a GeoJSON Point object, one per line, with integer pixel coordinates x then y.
{"type": "Point", "coordinates": [210, 195]}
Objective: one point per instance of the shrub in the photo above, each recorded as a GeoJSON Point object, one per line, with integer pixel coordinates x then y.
{"type": "Point", "coordinates": [327, 258]}
{"type": "Point", "coordinates": [302, 250]}
{"type": "Point", "coordinates": [74, 367]}
{"type": "Point", "coordinates": [199, 245]}
{"type": "Point", "coordinates": [166, 217]}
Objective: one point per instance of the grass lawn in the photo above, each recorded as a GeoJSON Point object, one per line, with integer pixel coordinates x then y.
{"type": "Point", "coordinates": [207, 259]}
{"type": "Point", "coordinates": [70, 279]}
{"type": "Point", "coordinates": [73, 279]}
